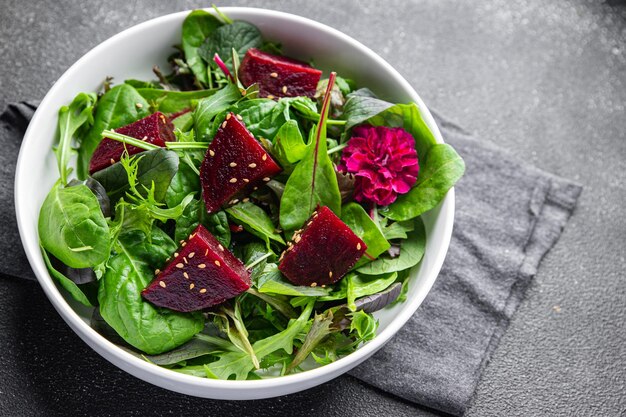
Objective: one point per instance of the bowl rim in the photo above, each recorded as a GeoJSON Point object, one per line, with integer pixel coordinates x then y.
{"type": "Point", "coordinates": [94, 339]}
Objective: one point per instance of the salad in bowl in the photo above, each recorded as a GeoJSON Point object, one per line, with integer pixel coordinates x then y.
{"type": "Point", "coordinates": [244, 214]}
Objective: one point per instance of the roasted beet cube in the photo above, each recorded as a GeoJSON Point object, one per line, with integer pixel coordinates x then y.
{"type": "Point", "coordinates": [155, 129]}
{"type": "Point", "coordinates": [278, 76]}
{"type": "Point", "coordinates": [234, 164]}
{"type": "Point", "coordinates": [202, 274]}
{"type": "Point", "coordinates": [323, 252]}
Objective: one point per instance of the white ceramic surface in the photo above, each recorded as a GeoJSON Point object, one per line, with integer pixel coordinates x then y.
{"type": "Point", "coordinates": [131, 54]}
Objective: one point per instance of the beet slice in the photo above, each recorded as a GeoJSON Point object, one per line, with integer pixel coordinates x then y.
{"type": "Point", "coordinates": [323, 252]}
{"type": "Point", "coordinates": [278, 76]}
{"type": "Point", "coordinates": [155, 129]}
{"type": "Point", "coordinates": [235, 163]}
{"type": "Point", "coordinates": [202, 274]}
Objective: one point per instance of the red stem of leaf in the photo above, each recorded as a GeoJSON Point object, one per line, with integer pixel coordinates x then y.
{"type": "Point", "coordinates": [223, 67]}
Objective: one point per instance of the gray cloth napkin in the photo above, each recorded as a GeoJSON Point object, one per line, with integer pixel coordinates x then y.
{"type": "Point", "coordinates": [508, 216]}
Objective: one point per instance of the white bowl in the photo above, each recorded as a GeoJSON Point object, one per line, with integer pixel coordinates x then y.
{"type": "Point", "coordinates": [131, 54]}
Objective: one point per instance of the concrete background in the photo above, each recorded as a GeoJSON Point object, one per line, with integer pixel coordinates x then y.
{"type": "Point", "coordinates": [545, 80]}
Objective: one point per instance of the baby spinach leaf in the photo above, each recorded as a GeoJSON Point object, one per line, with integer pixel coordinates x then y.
{"type": "Point", "coordinates": [355, 285]}
{"type": "Point", "coordinates": [360, 106]}
{"type": "Point", "coordinates": [65, 282]}
{"type": "Point", "coordinates": [156, 167]}
{"type": "Point", "coordinates": [150, 329]}
{"type": "Point", "coordinates": [442, 168]}
{"type": "Point", "coordinates": [183, 183]}
{"type": "Point", "coordinates": [238, 35]}
{"type": "Point", "coordinates": [313, 181]}
{"type": "Point", "coordinates": [98, 190]}
{"type": "Point", "coordinates": [398, 230]}
{"type": "Point", "coordinates": [168, 101]}
{"type": "Point", "coordinates": [210, 107]}
{"type": "Point", "coordinates": [119, 106]}
{"type": "Point", "coordinates": [240, 363]}
{"type": "Point", "coordinates": [254, 219]}
{"type": "Point", "coordinates": [259, 116]}
{"type": "Point", "coordinates": [194, 214]}
{"type": "Point", "coordinates": [71, 118]}
{"type": "Point", "coordinates": [251, 252]}
{"type": "Point", "coordinates": [411, 252]}
{"type": "Point", "coordinates": [289, 146]}
{"type": "Point", "coordinates": [190, 350]}
{"type": "Point", "coordinates": [271, 281]}
{"type": "Point", "coordinates": [197, 26]}
{"type": "Point", "coordinates": [355, 217]}
{"type": "Point", "coordinates": [72, 227]}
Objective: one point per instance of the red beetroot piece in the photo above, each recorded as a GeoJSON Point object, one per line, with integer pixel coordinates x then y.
{"type": "Point", "coordinates": [323, 252]}
{"type": "Point", "coordinates": [278, 76]}
{"type": "Point", "coordinates": [234, 164]}
{"type": "Point", "coordinates": [155, 129]}
{"type": "Point", "coordinates": [202, 274]}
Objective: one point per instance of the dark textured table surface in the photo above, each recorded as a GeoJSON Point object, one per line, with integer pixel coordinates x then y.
{"type": "Point", "coordinates": [546, 80]}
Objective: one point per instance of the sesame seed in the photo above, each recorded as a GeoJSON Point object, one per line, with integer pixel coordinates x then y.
{"type": "Point", "coordinates": [358, 246]}
{"type": "Point", "coordinates": [191, 235]}
{"type": "Point", "coordinates": [139, 105]}
{"type": "Point", "coordinates": [202, 291]}
{"type": "Point", "coordinates": [264, 157]}
{"type": "Point", "coordinates": [180, 265]}
{"type": "Point", "coordinates": [211, 152]}
{"type": "Point", "coordinates": [218, 263]}
{"type": "Point", "coordinates": [186, 275]}
{"type": "Point", "coordinates": [233, 180]}
{"type": "Point", "coordinates": [168, 259]}
{"type": "Point", "coordinates": [183, 244]}
{"type": "Point", "coordinates": [297, 238]}
{"type": "Point", "coordinates": [314, 284]}
{"type": "Point", "coordinates": [235, 201]}
{"type": "Point", "coordinates": [245, 200]}
{"type": "Point", "coordinates": [206, 252]}
{"type": "Point", "coordinates": [181, 241]}
{"type": "Point", "coordinates": [284, 89]}
{"type": "Point", "coordinates": [228, 116]}
{"type": "Point", "coordinates": [266, 179]}
{"type": "Point", "coordinates": [191, 255]}
{"type": "Point", "coordinates": [274, 75]}
{"type": "Point", "coordinates": [239, 117]}
{"type": "Point", "coordinates": [271, 97]}
{"type": "Point", "coordinates": [233, 164]}
{"type": "Point", "coordinates": [202, 266]}
{"type": "Point", "coordinates": [162, 118]}
{"type": "Point", "coordinates": [145, 138]}
{"type": "Point", "coordinates": [323, 285]}
{"type": "Point", "coordinates": [162, 284]}
{"type": "Point", "coordinates": [185, 260]}
{"type": "Point", "coordinates": [255, 188]}
{"type": "Point", "coordinates": [191, 286]}
{"type": "Point", "coordinates": [309, 223]}
{"type": "Point", "coordinates": [252, 165]}
{"type": "Point", "coordinates": [175, 254]}
{"type": "Point", "coordinates": [224, 124]}
{"type": "Point", "coordinates": [112, 161]}
{"type": "Point", "coordinates": [220, 247]}
{"type": "Point", "coordinates": [246, 180]}
{"type": "Point", "coordinates": [157, 271]}
{"type": "Point", "coordinates": [330, 274]}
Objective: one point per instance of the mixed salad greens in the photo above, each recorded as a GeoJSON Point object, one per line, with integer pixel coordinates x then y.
{"type": "Point", "coordinates": [219, 277]}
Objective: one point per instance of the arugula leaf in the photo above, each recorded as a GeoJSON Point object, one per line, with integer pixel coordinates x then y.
{"type": "Point", "coordinates": [209, 107]}
{"type": "Point", "coordinates": [156, 167]}
{"type": "Point", "coordinates": [168, 101]}
{"type": "Point", "coordinates": [197, 26]}
{"type": "Point", "coordinates": [150, 329]}
{"type": "Point", "coordinates": [411, 252]}
{"type": "Point", "coordinates": [255, 220]}
{"type": "Point", "coordinates": [313, 181]}
{"type": "Point", "coordinates": [320, 328]}
{"type": "Point", "coordinates": [364, 324]}
{"type": "Point", "coordinates": [69, 285]}
{"type": "Point", "coordinates": [238, 35]}
{"type": "Point", "coordinates": [442, 168]}
{"type": "Point", "coordinates": [119, 106]}
{"type": "Point", "coordinates": [271, 281]}
{"type": "Point", "coordinates": [240, 364]}
{"type": "Point", "coordinates": [355, 217]}
{"type": "Point", "coordinates": [72, 118]}
{"type": "Point", "coordinates": [72, 227]}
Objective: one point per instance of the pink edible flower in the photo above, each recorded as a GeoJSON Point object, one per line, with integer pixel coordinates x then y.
{"type": "Point", "coordinates": [384, 162]}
